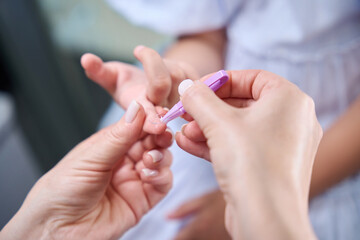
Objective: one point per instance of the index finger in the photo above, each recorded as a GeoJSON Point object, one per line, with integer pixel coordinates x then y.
{"type": "Point", "coordinates": [157, 73]}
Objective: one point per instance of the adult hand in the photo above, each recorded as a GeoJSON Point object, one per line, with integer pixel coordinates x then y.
{"type": "Point", "coordinates": [262, 138]}
{"type": "Point", "coordinates": [157, 86]}
{"type": "Point", "coordinates": [99, 189]}
{"type": "Point", "coordinates": [207, 210]}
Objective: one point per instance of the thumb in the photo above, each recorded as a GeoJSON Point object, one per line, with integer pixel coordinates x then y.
{"type": "Point", "coordinates": [104, 149]}
{"type": "Point", "coordinates": [202, 104]}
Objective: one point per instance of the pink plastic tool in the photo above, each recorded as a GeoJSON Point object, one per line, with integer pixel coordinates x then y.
{"type": "Point", "coordinates": [214, 82]}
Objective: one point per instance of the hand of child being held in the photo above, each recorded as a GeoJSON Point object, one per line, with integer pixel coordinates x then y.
{"type": "Point", "coordinates": [154, 88]}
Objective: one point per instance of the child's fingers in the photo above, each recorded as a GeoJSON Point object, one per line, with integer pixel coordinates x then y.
{"type": "Point", "coordinates": [152, 124]}
{"type": "Point", "coordinates": [189, 71]}
{"type": "Point", "coordinates": [158, 75]}
{"type": "Point", "coordinates": [104, 74]}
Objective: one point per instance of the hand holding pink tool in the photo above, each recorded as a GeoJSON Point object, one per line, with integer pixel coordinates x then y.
{"type": "Point", "coordinates": [214, 82]}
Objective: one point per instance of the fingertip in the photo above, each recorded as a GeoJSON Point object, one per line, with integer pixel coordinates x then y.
{"type": "Point", "coordinates": [132, 111]}
{"type": "Point", "coordinates": [90, 62]}
{"type": "Point", "coordinates": [184, 85]}
{"type": "Point", "coordinates": [177, 136]}
{"type": "Point", "coordinates": [183, 129]}
{"type": "Point", "coordinates": [170, 133]}
{"type": "Point", "coordinates": [134, 117]}
{"type": "Point", "coordinates": [137, 50]}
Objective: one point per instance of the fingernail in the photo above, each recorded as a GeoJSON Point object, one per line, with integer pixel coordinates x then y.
{"type": "Point", "coordinates": [166, 109]}
{"type": "Point", "coordinates": [131, 112]}
{"type": "Point", "coordinates": [156, 155]}
{"type": "Point", "coordinates": [171, 132]}
{"type": "Point", "coordinates": [150, 173]}
{"type": "Point", "coordinates": [183, 128]}
{"type": "Point", "coordinates": [184, 85]}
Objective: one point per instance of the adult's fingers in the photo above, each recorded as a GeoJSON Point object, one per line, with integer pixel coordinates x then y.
{"type": "Point", "coordinates": [158, 75]}
{"type": "Point", "coordinates": [199, 149]}
{"type": "Point", "coordinates": [203, 105]}
{"type": "Point", "coordinates": [187, 208]}
{"type": "Point", "coordinates": [248, 84]}
{"type": "Point", "coordinates": [243, 87]}
{"type": "Point", "coordinates": [157, 158]}
{"type": "Point", "coordinates": [193, 132]}
{"type": "Point", "coordinates": [150, 142]}
{"type": "Point", "coordinates": [157, 183]}
{"type": "Point", "coordinates": [109, 145]}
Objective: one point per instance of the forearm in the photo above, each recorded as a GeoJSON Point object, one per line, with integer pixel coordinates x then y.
{"type": "Point", "coordinates": [338, 155]}
{"type": "Point", "coordinates": [24, 226]}
{"type": "Point", "coordinates": [270, 209]}
{"type": "Point", "coordinates": [204, 52]}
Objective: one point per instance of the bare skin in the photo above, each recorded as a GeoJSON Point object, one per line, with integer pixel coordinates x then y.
{"type": "Point", "coordinates": [99, 189]}
{"type": "Point", "coordinates": [261, 161]}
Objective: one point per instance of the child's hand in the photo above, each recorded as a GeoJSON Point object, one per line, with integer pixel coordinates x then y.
{"type": "Point", "coordinates": [125, 83]}
{"type": "Point", "coordinates": [157, 86]}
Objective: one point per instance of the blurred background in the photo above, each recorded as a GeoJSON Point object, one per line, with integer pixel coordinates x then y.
{"type": "Point", "coordinates": [47, 105]}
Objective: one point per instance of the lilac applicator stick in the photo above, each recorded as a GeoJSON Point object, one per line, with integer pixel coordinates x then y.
{"type": "Point", "coordinates": [214, 82]}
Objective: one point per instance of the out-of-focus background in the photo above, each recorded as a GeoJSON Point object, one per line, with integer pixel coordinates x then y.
{"type": "Point", "coordinates": [47, 105]}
